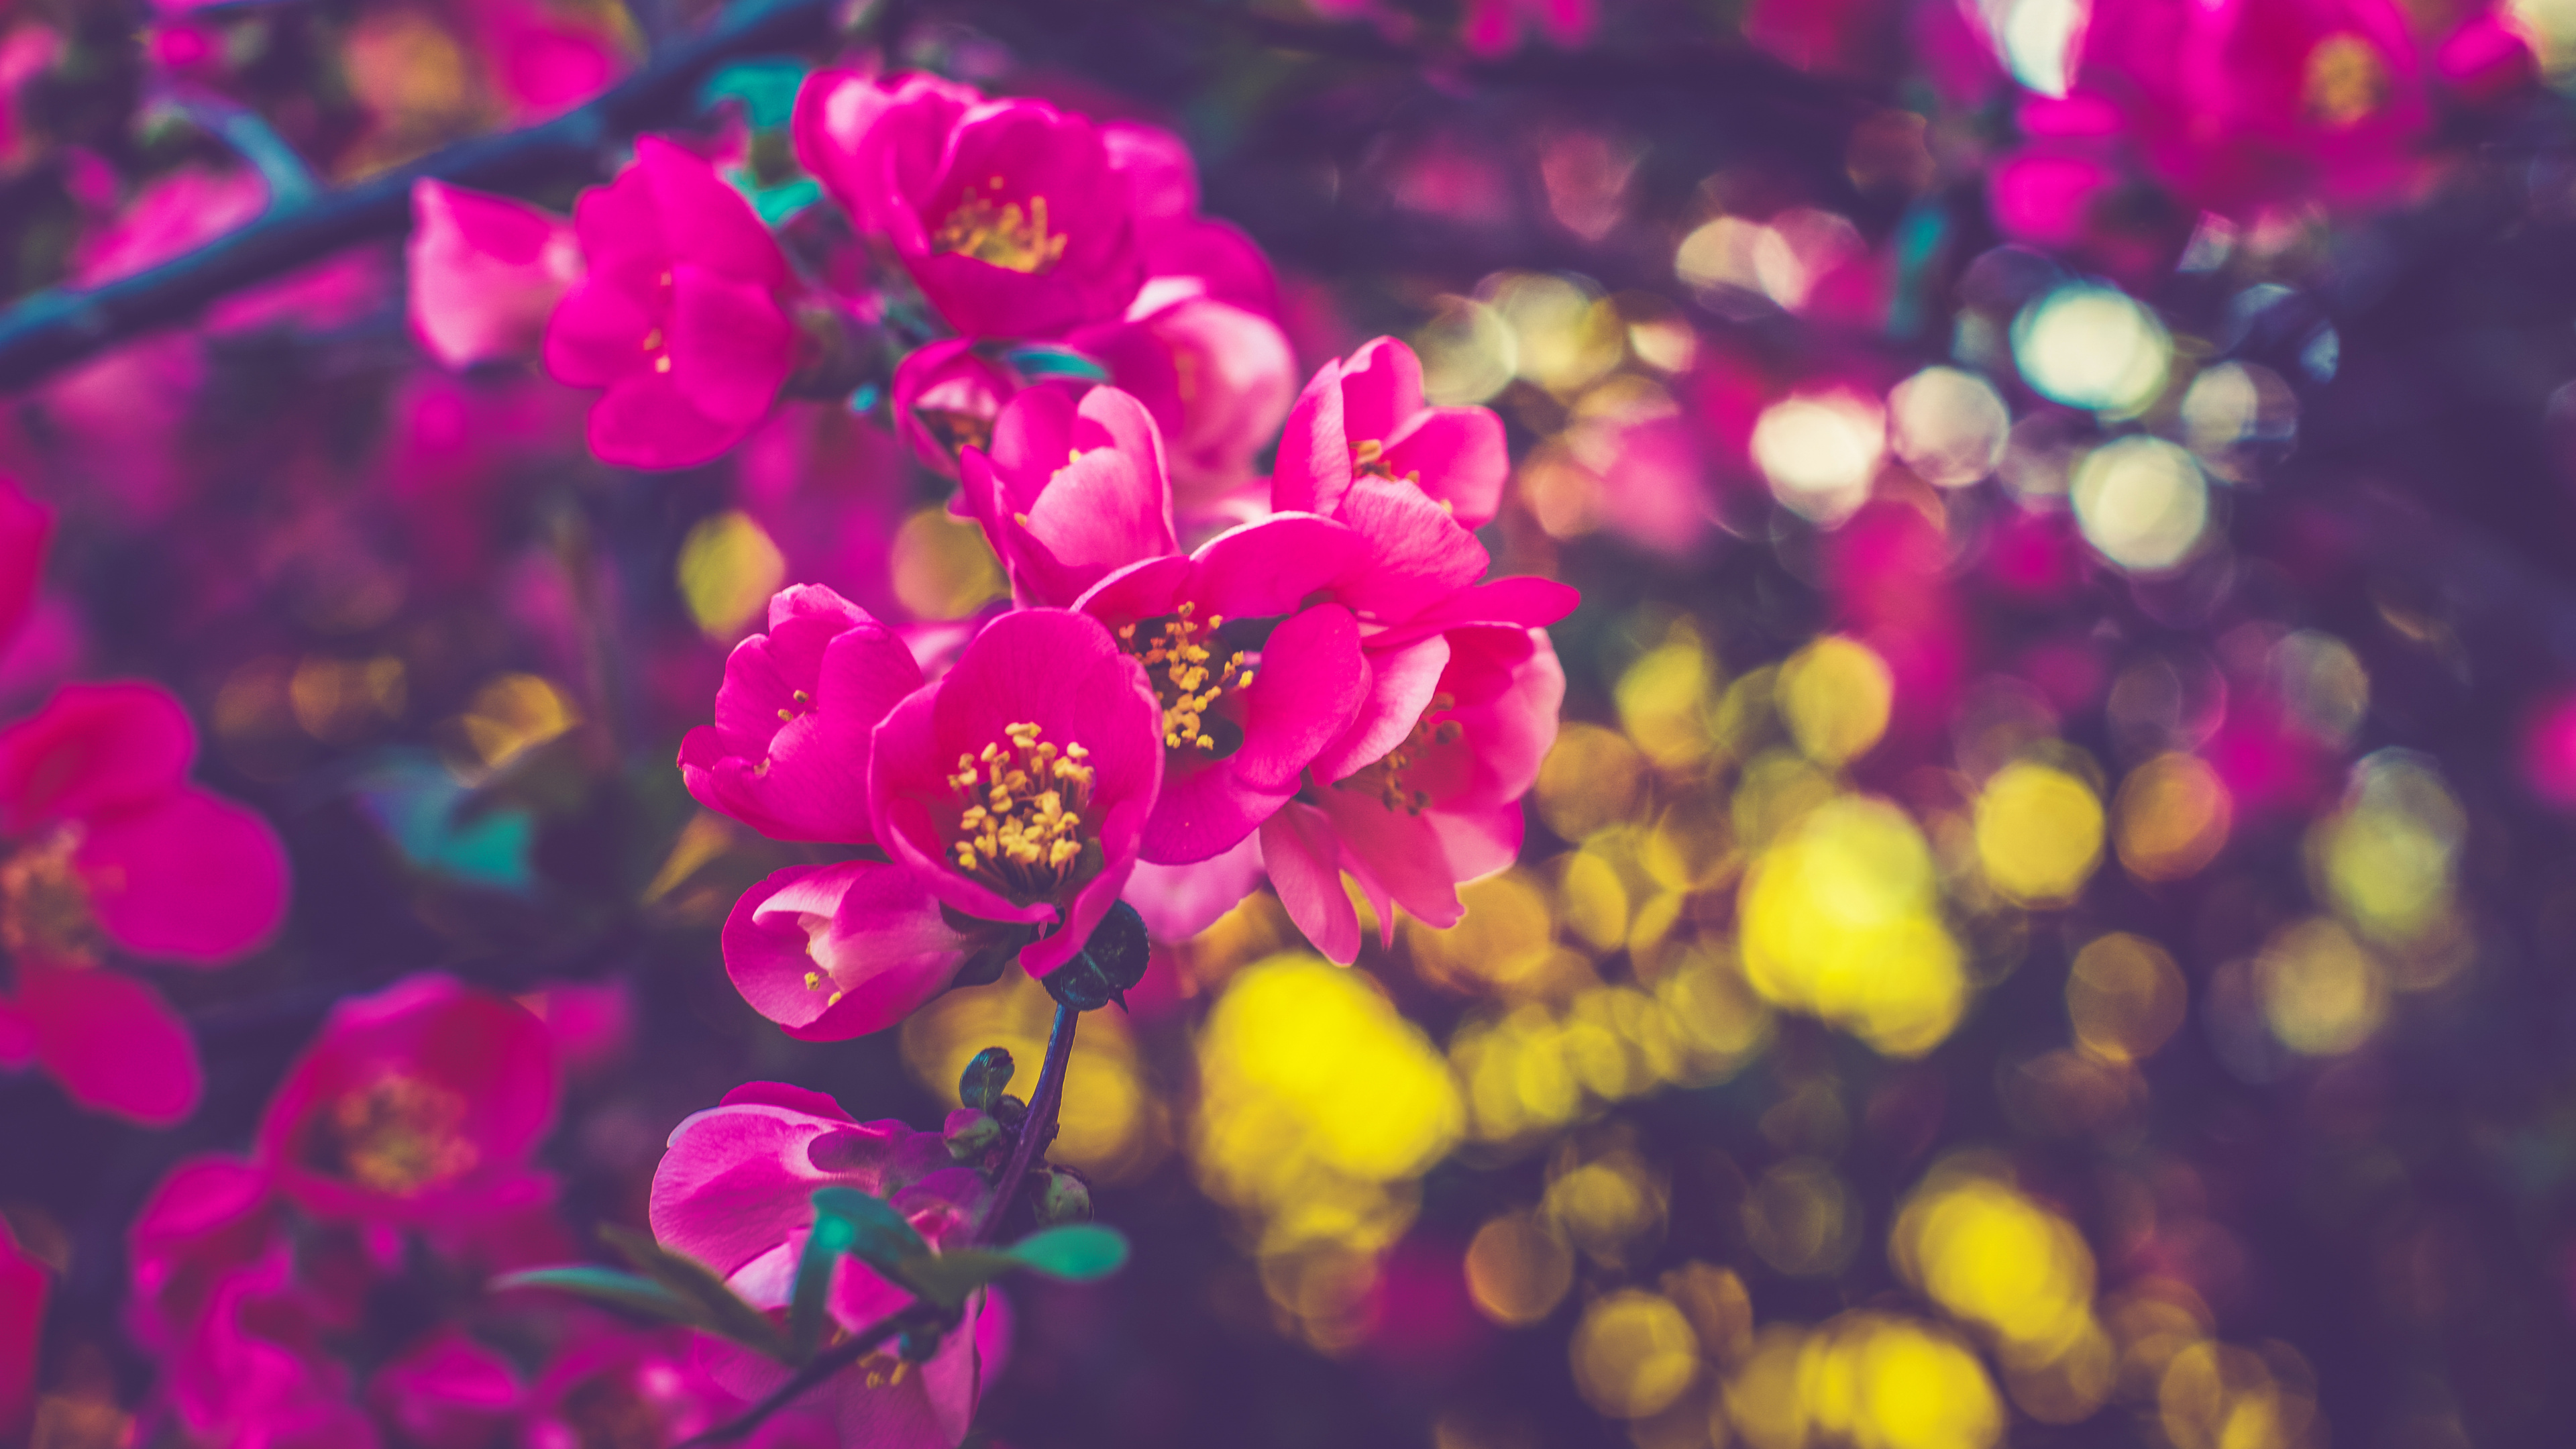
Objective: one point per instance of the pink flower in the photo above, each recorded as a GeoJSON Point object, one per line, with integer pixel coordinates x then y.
{"type": "Point", "coordinates": [1423, 791]}
{"type": "Point", "coordinates": [417, 1105]}
{"type": "Point", "coordinates": [788, 752]}
{"type": "Point", "coordinates": [1364, 417]}
{"type": "Point", "coordinates": [486, 272]}
{"type": "Point", "coordinates": [24, 1284]}
{"type": "Point", "coordinates": [209, 1217]}
{"type": "Point", "coordinates": [110, 847]}
{"type": "Point", "coordinates": [946, 397]}
{"type": "Point", "coordinates": [1016, 788]}
{"type": "Point", "coordinates": [1005, 212]}
{"type": "Point", "coordinates": [1069, 491]}
{"type": "Point", "coordinates": [735, 1192]}
{"type": "Point", "coordinates": [446, 1392]}
{"type": "Point", "coordinates": [1246, 708]}
{"type": "Point", "coordinates": [680, 318]}
{"type": "Point", "coordinates": [1215, 375]}
{"type": "Point", "coordinates": [835, 951]}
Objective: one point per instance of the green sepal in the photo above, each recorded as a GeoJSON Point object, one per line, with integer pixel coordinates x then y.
{"type": "Point", "coordinates": [986, 1078]}
{"type": "Point", "coordinates": [881, 1237]}
{"type": "Point", "coordinates": [726, 1314]}
{"type": "Point", "coordinates": [830, 1237]}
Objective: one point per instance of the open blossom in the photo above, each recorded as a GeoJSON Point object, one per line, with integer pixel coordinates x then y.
{"type": "Point", "coordinates": [735, 1192]}
{"type": "Point", "coordinates": [486, 273]}
{"type": "Point", "coordinates": [945, 397]}
{"type": "Point", "coordinates": [1004, 212]}
{"type": "Point", "coordinates": [110, 848]}
{"type": "Point", "coordinates": [679, 317]}
{"type": "Point", "coordinates": [1015, 788]}
{"type": "Point", "coordinates": [1424, 790]}
{"type": "Point", "coordinates": [788, 752]}
{"type": "Point", "coordinates": [604, 1384]}
{"type": "Point", "coordinates": [419, 1104]}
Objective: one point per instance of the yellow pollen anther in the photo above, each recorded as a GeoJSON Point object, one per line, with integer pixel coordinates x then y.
{"type": "Point", "coordinates": [1385, 779]}
{"type": "Point", "coordinates": [1019, 825]}
{"type": "Point", "coordinates": [1187, 676]}
{"type": "Point", "coordinates": [1001, 234]}
{"type": "Point", "coordinates": [662, 363]}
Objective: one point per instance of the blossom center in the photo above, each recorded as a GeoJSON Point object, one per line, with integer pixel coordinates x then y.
{"type": "Point", "coordinates": [1000, 232]}
{"type": "Point", "coordinates": [44, 903]}
{"type": "Point", "coordinates": [398, 1134]}
{"type": "Point", "coordinates": [2345, 81]}
{"type": "Point", "coordinates": [1023, 802]}
{"type": "Point", "coordinates": [1386, 777]}
{"type": "Point", "coordinates": [1187, 675]}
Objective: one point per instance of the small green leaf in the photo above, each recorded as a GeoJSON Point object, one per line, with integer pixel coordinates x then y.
{"type": "Point", "coordinates": [766, 86]}
{"type": "Point", "coordinates": [1039, 361]}
{"type": "Point", "coordinates": [985, 1079]}
{"type": "Point", "coordinates": [625, 1292]}
{"type": "Point", "coordinates": [725, 1313]}
{"type": "Point", "coordinates": [1080, 1253]}
{"type": "Point", "coordinates": [882, 1237]}
{"type": "Point", "coordinates": [830, 1238]}
{"type": "Point", "coordinates": [948, 1279]}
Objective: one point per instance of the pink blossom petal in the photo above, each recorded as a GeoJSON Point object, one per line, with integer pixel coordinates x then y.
{"type": "Point", "coordinates": [485, 273]}
{"type": "Point", "coordinates": [1381, 390]}
{"type": "Point", "coordinates": [1456, 455]}
{"type": "Point", "coordinates": [1310, 684]}
{"type": "Point", "coordinates": [112, 1042]}
{"type": "Point", "coordinates": [24, 1285]}
{"type": "Point", "coordinates": [1314, 463]}
{"type": "Point", "coordinates": [448, 1392]}
{"type": "Point", "coordinates": [1179, 901]}
{"type": "Point", "coordinates": [1395, 853]}
{"type": "Point", "coordinates": [705, 220]}
{"type": "Point", "coordinates": [26, 529]}
{"type": "Point", "coordinates": [738, 1179]}
{"type": "Point", "coordinates": [731, 346]}
{"type": "Point", "coordinates": [194, 878]}
{"type": "Point", "coordinates": [1205, 809]}
{"type": "Point", "coordinates": [92, 747]}
{"type": "Point", "coordinates": [1417, 552]}
{"type": "Point", "coordinates": [597, 333]}
{"type": "Point", "coordinates": [1269, 567]}
{"type": "Point", "coordinates": [1401, 683]}
{"type": "Point", "coordinates": [837, 951]}
{"type": "Point", "coordinates": [646, 420]}
{"type": "Point", "coordinates": [1303, 858]}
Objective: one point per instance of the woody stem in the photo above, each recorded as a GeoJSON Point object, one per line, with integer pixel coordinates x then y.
{"type": "Point", "coordinates": [1037, 1128]}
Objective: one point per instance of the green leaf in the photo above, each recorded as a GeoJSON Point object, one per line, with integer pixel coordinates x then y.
{"type": "Point", "coordinates": [948, 1279]}
{"type": "Point", "coordinates": [766, 86]}
{"type": "Point", "coordinates": [1038, 361]}
{"type": "Point", "coordinates": [1079, 1253]}
{"type": "Point", "coordinates": [985, 1079]}
{"type": "Point", "coordinates": [775, 204]}
{"type": "Point", "coordinates": [830, 1238]}
{"type": "Point", "coordinates": [624, 1292]}
{"type": "Point", "coordinates": [883, 1238]}
{"type": "Point", "coordinates": [726, 1314]}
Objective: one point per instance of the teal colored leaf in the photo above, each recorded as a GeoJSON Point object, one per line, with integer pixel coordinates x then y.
{"type": "Point", "coordinates": [421, 808]}
{"type": "Point", "coordinates": [985, 1079]}
{"type": "Point", "coordinates": [881, 1237]}
{"type": "Point", "coordinates": [830, 1238]}
{"type": "Point", "coordinates": [949, 1278]}
{"type": "Point", "coordinates": [765, 85]}
{"type": "Point", "coordinates": [609, 1288]}
{"type": "Point", "coordinates": [1038, 361]}
{"type": "Point", "coordinates": [727, 1315]}
{"type": "Point", "coordinates": [1080, 1252]}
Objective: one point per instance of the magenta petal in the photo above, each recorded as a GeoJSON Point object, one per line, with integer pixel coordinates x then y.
{"type": "Point", "coordinates": [731, 346]}
{"type": "Point", "coordinates": [838, 951]}
{"type": "Point", "coordinates": [1310, 683]}
{"type": "Point", "coordinates": [1478, 843]}
{"type": "Point", "coordinates": [1206, 809]}
{"type": "Point", "coordinates": [1269, 566]}
{"type": "Point", "coordinates": [112, 1042]}
{"type": "Point", "coordinates": [1179, 901]}
{"type": "Point", "coordinates": [1456, 455]}
{"type": "Point", "coordinates": [596, 333]}
{"type": "Point", "coordinates": [26, 528]}
{"type": "Point", "coordinates": [1381, 391]}
{"type": "Point", "coordinates": [646, 421]}
{"type": "Point", "coordinates": [790, 1096]}
{"type": "Point", "coordinates": [737, 1179]}
{"type": "Point", "coordinates": [1397, 853]}
{"type": "Point", "coordinates": [485, 273]}
{"type": "Point", "coordinates": [1522, 600]}
{"type": "Point", "coordinates": [1314, 464]}
{"type": "Point", "coordinates": [705, 220]}
{"type": "Point", "coordinates": [1140, 591]}
{"type": "Point", "coordinates": [448, 1392]}
{"type": "Point", "coordinates": [24, 1284]}
{"type": "Point", "coordinates": [194, 878]}
{"type": "Point", "coordinates": [1401, 684]}
{"type": "Point", "coordinates": [93, 747]}
{"type": "Point", "coordinates": [1417, 552]}
{"type": "Point", "coordinates": [1303, 858]}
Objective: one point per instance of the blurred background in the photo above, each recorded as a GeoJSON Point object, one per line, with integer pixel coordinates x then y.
{"type": "Point", "coordinates": [2049, 919]}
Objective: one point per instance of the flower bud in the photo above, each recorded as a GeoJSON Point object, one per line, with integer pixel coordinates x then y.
{"type": "Point", "coordinates": [970, 1131]}
{"type": "Point", "coordinates": [1063, 1198]}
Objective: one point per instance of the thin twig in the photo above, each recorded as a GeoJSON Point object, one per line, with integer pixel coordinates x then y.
{"type": "Point", "coordinates": [822, 1366]}
{"type": "Point", "coordinates": [56, 328]}
{"type": "Point", "coordinates": [1037, 1128]}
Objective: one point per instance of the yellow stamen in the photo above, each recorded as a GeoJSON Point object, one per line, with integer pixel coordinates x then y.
{"type": "Point", "coordinates": [1001, 234]}
{"type": "Point", "coordinates": [1019, 825]}
{"type": "Point", "coordinates": [1385, 779]}
{"type": "Point", "coordinates": [1187, 676]}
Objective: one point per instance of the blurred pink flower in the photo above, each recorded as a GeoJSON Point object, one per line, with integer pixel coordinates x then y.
{"type": "Point", "coordinates": [24, 1284]}
{"type": "Point", "coordinates": [1005, 212]}
{"type": "Point", "coordinates": [1069, 491]}
{"type": "Point", "coordinates": [418, 1105]}
{"type": "Point", "coordinates": [486, 272]}
{"type": "Point", "coordinates": [946, 397]}
{"type": "Point", "coordinates": [112, 848]}
{"type": "Point", "coordinates": [680, 317]}
{"type": "Point", "coordinates": [1495, 27]}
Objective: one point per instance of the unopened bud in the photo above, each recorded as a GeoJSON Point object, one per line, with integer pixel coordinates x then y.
{"type": "Point", "coordinates": [1010, 1109]}
{"type": "Point", "coordinates": [970, 1133]}
{"type": "Point", "coordinates": [1063, 1198]}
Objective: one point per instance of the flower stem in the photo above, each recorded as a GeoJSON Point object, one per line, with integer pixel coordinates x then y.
{"type": "Point", "coordinates": [822, 1366]}
{"type": "Point", "coordinates": [1037, 1129]}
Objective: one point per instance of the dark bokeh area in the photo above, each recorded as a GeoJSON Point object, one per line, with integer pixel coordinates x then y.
{"type": "Point", "coordinates": [2047, 920]}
